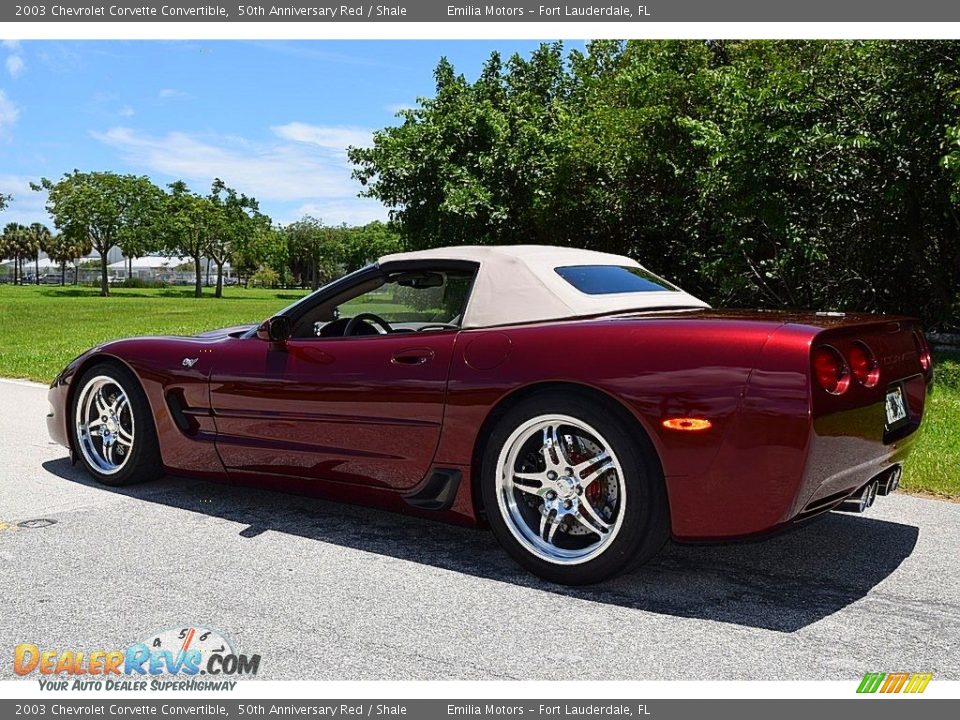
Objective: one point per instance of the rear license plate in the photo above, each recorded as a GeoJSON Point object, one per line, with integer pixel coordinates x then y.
{"type": "Point", "coordinates": [896, 406]}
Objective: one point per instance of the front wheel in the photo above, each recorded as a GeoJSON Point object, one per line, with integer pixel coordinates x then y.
{"type": "Point", "coordinates": [571, 491]}
{"type": "Point", "coordinates": [113, 432]}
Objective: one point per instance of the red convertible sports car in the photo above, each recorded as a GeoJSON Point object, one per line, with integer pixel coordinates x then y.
{"type": "Point", "coordinates": [584, 408]}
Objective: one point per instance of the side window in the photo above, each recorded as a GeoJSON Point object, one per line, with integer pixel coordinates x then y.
{"type": "Point", "coordinates": [416, 301]}
{"type": "Point", "coordinates": [413, 298]}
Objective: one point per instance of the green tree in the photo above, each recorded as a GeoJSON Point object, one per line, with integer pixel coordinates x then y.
{"type": "Point", "coordinates": [783, 173]}
{"type": "Point", "coordinates": [104, 207]}
{"type": "Point", "coordinates": [465, 166]}
{"type": "Point", "coordinates": [362, 245]}
{"type": "Point", "coordinates": [265, 247]}
{"type": "Point", "coordinates": [186, 226]}
{"type": "Point", "coordinates": [314, 249]}
{"type": "Point", "coordinates": [235, 220]}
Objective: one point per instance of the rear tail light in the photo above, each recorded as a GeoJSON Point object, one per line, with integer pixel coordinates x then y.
{"type": "Point", "coordinates": [863, 364]}
{"type": "Point", "coordinates": [923, 351]}
{"type": "Point", "coordinates": [831, 370]}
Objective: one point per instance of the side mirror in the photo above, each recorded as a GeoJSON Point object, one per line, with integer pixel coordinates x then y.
{"type": "Point", "coordinates": [277, 329]}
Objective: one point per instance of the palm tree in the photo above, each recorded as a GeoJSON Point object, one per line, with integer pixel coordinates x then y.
{"type": "Point", "coordinates": [38, 235]}
{"type": "Point", "coordinates": [13, 234]}
{"type": "Point", "coordinates": [58, 249]}
{"type": "Point", "coordinates": [62, 249]}
{"type": "Point", "coordinates": [4, 246]}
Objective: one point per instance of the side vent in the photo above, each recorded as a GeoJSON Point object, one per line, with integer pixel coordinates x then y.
{"type": "Point", "coordinates": [178, 411]}
{"type": "Point", "coordinates": [438, 493]}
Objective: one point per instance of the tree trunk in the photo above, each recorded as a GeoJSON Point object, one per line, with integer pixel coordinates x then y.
{"type": "Point", "coordinates": [36, 268]}
{"type": "Point", "coordinates": [198, 288]}
{"type": "Point", "coordinates": [315, 277]}
{"type": "Point", "coordinates": [16, 260]}
{"type": "Point", "coordinates": [219, 292]}
{"type": "Point", "coordinates": [208, 274]}
{"type": "Point", "coordinates": [76, 272]}
{"type": "Point", "coordinates": [63, 273]}
{"type": "Point", "coordinates": [104, 283]}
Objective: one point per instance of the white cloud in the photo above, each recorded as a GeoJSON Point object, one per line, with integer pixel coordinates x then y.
{"type": "Point", "coordinates": [28, 206]}
{"type": "Point", "coordinates": [15, 65]}
{"type": "Point", "coordinates": [337, 138]}
{"type": "Point", "coordinates": [9, 113]}
{"type": "Point", "coordinates": [126, 111]}
{"type": "Point", "coordinates": [171, 93]}
{"type": "Point", "coordinates": [299, 171]}
{"type": "Point", "coordinates": [358, 211]}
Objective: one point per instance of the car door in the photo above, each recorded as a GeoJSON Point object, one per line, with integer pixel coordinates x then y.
{"type": "Point", "coordinates": [352, 409]}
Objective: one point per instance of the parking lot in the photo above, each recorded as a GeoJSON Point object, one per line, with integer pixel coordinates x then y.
{"type": "Point", "coordinates": [324, 590]}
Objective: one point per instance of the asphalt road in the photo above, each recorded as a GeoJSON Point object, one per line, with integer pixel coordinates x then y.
{"type": "Point", "coordinates": [324, 590]}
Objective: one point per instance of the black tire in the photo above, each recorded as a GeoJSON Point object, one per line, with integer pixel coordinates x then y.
{"type": "Point", "coordinates": [645, 524]}
{"type": "Point", "coordinates": [143, 462]}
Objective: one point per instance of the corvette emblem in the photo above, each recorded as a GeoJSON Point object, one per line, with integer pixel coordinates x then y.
{"type": "Point", "coordinates": [190, 362]}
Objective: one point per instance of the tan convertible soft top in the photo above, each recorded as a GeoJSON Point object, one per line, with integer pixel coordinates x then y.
{"type": "Point", "coordinates": [520, 284]}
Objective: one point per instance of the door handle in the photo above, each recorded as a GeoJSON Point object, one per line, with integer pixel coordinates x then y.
{"type": "Point", "coordinates": [412, 356]}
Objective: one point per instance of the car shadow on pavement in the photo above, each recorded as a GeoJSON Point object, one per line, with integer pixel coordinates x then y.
{"type": "Point", "coordinates": [783, 583]}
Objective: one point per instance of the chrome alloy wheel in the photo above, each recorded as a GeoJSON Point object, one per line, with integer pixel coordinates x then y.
{"type": "Point", "coordinates": [104, 424]}
{"type": "Point", "coordinates": [560, 489]}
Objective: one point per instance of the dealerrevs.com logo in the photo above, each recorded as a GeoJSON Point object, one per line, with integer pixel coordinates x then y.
{"type": "Point", "coordinates": [899, 682]}
{"type": "Point", "coordinates": [182, 658]}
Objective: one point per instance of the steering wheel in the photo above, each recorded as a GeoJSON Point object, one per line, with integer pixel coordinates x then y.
{"type": "Point", "coordinates": [366, 317]}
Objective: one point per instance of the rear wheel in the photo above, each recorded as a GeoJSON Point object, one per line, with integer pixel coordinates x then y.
{"type": "Point", "coordinates": [571, 491]}
{"type": "Point", "coordinates": [113, 430]}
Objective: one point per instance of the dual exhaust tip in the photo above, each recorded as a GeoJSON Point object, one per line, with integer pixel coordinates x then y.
{"type": "Point", "coordinates": [883, 484]}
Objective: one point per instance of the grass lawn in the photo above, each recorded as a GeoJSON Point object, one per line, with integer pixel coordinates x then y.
{"type": "Point", "coordinates": [934, 465]}
{"type": "Point", "coordinates": [45, 327]}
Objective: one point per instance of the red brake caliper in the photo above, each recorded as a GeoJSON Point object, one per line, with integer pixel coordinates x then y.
{"type": "Point", "coordinates": [595, 490]}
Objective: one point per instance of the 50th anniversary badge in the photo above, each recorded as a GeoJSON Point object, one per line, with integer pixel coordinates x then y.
{"type": "Point", "coordinates": [181, 658]}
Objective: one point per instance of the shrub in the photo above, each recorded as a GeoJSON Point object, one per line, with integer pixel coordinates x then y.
{"type": "Point", "coordinates": [143, 283]}
{"type": "Point", "coordinates": [264, 277]}
{"type": "Point", "coordinates": [946, 370]}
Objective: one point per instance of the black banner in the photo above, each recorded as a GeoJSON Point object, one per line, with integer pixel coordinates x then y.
{"type": "Point", "coordinates": [551, 709]}
{"type": "Point", "coordinates": [463, 11]}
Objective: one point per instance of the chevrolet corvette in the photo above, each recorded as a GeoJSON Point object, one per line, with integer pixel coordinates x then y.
{"type": "Point", "coordinates": [582, 407]}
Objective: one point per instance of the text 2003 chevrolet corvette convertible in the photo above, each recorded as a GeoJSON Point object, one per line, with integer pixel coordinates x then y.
{"type": "Point", "coordinates": [582, 406]}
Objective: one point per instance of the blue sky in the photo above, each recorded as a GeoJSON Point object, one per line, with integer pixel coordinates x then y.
{"type": "Point", "coordinates": [271, 118]}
